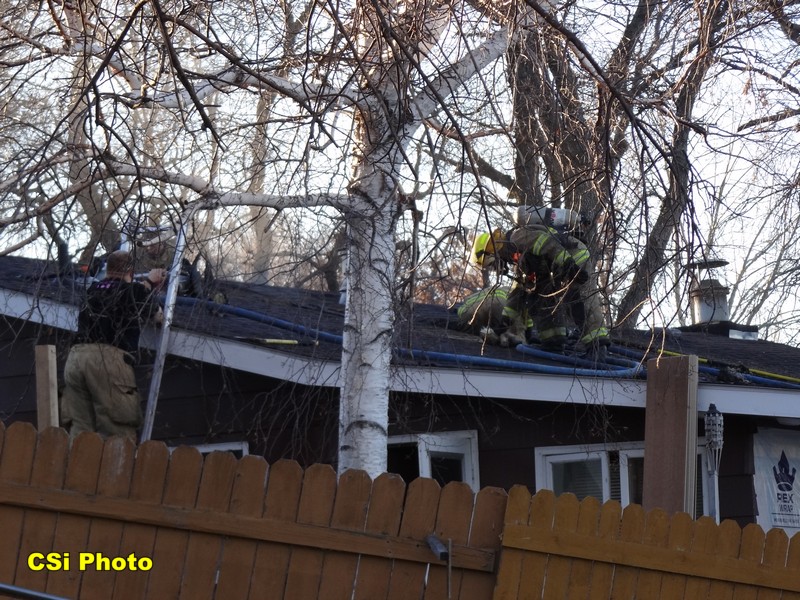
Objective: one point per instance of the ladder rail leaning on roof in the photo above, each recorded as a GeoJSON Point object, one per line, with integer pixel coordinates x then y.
{"type": "Point", "coordinates": [169, 314]}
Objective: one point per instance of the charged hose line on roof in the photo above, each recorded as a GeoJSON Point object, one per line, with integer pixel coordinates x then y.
{"type": "Point", "coordinates": [483, 361]}
{"type": "Point", "coordinates": [573, 360]}
{"type": "Point", "coordinates": [635, 370]}
{"type": "Point", "coordinates": [753, 371]}
{"type": "Point", "coordinates": [261, 318]}
{"type": "Point", "coordinates": [461, 359]}
{"type": "Point", "coordinates": [773, 379]}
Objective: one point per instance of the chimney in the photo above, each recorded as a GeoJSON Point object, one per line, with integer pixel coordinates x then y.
{"type": "Point", "coordinates": [709, 301]}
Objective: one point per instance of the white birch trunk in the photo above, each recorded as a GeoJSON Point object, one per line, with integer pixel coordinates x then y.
{"type": "Point", "coordinates": [369, 278]}
{"type": "Point", "coordinates": [262, 241]}
{"type": "Point", "coordinates": [369, 313]}
{"type": "Point", "coordinates": [367, 344]}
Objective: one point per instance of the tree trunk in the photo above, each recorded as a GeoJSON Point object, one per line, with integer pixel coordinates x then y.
{"type": "Point", "coordinates": [262, 238]}
{"type": "Point", "coordinates": [367, 345]}
{"type": "Point", "coordinates": [677, 206]}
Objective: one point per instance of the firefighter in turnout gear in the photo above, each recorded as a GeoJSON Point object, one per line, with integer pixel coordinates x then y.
{"type": "Point", "coordinates": [482, 312]}
{"type": "Point", "coordinates": [552, 272]}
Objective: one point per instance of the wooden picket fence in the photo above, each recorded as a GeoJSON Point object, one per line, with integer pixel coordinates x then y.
{"type": "Point", "coordinates": [562, 548]}
{"type": "Point", "coordinates": [225, 528]}
{"type": "Point", "coordinates": [110, 520]}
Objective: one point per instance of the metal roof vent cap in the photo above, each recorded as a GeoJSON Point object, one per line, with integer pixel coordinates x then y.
{"type": "Point", "coordinates": [709, 301]}
{"type": "Point", "coordinates": [709, 298]}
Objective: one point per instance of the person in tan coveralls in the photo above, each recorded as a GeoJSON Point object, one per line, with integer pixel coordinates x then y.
{"type": "Point", "coordinates": [100, 392]}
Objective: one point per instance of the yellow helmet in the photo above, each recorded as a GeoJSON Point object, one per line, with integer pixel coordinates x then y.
{"type": "Point", "coordinates": [484, 248]}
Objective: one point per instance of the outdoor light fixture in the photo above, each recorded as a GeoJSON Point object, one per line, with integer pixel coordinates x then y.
{"type": "Point", "coordinates": [714, 427]}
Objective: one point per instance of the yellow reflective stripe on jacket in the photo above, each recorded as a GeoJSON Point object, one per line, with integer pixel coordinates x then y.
{"type": "Point", "coordinates": [581, 257]}
{"type": "Point", "coordinates": [546, 334]}
{"type": "Point", "coordinates": [510, 312]}
{"type": "Point", "coordinates": [539, 243]}
{"type": "Point", "coordinates": [478, 297]}
{"type": "Point", "coordinates": [561, 257]}
{"type": "Point", "coordinates": [595, 334]}
{"type": "Point", "coordinates": [548, 246]}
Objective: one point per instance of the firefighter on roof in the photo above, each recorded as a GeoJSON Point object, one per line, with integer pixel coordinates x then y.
{"type": "Point", "coordinates": [552, 272]}
{"type": "Point", "coordinates": [482, 312]}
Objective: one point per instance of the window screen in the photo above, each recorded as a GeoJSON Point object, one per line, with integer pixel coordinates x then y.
{"type": "Point", "coordinates": [582, 478]}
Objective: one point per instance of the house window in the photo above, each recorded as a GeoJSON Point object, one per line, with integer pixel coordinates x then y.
{"type": "Point", "coordinates": [607, 474]}
{"type": "Point", "coordinates": [444, 456]}
{"type": "Point", "coordinates": [583, 474]}
{"type": "Point", "coordinates": [239, 449]}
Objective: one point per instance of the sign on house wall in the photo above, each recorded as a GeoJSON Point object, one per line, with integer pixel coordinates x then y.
{"type": "Point", "coordinates": [777, 460]}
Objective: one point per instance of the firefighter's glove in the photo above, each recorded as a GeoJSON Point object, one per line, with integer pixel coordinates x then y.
{"type": "Point", "coordinates": [489, 336]}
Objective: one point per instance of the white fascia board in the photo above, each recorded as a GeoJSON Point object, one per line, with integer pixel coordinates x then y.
{"type": "Point", "coordinates": [245, 357]}
{"type": "Point", "coordinates": [749, 400]}
{"type": "Point", "coordinates": [521, 386]}
{"type": "Point", "coordinates": [38, 310]}
{"type": "Point", "coordinates": [475, 383]}
{"type": "Point", "coordinates": [438, 381]}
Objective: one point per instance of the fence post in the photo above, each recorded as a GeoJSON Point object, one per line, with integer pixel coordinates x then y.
{"type": "Point", "coordinates": [670, 438]}
{"type": "Point", "coordinates": [46, 387]}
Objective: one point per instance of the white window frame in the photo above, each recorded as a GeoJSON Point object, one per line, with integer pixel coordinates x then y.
{"type": "Point", "coordinates": [577, 455]}
{"type": "Point", "coordinates": [624, 481]}
{"type": "Point", "coordinates": [546, 456]}
{"type": "Point", "coordinates": [243, 447]}
{"type": "Point", "coordinates": [462, 444]}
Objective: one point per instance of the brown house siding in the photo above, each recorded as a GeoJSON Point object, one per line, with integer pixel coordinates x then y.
{"type": "Point", "coordinates": [203, 403]}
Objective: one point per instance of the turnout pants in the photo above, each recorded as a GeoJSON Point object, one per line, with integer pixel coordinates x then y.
{"type": "Point", "coordinates": [100, 392]}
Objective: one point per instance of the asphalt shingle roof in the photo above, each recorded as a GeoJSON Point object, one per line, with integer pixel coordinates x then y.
{"type": "Point", "coordinates": [254, 313]}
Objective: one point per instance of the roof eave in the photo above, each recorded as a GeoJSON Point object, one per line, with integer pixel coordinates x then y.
{"type": "Point", "coordinates": [475, 383]}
